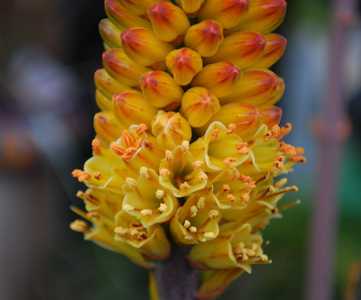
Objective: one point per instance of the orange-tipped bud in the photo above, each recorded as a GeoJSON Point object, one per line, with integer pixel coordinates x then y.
{"type": "Point", "coordinates": [271, 116]}
{"type": "Point", "coordinates": [125, 70]}
{"type": "Point", "coordinates": [107, 85]}
{"type": "Point", "coordinates": [161, 90]}
{"type": "Point", "coordinates": [263, 15]}
{"type": "Point", "coordinates": [242, 49]}
{"type": "Point", "coordinates": [275, 48]}
{"type": "Point", "coordinates": [168, 20]}
{"type": "Point", "coordinates": [190, 6]}
{"type": "Point", "coordinates": [143, 46]}
{"type": "Point", "coordinates": [240, 118]}
{"type": "Point", "coordinates": [199, 106]}
{"type": "Point", "coordinates": [205, 37]}
{"type": "Point", "coordinates": [107, 126]}
{"type": "Point", "coordinates": [258, 87]}
{"type": "Point", "coordinates": [219, 78]}
{"type": "Point", "coordinates": [171, 129]}
{"type": "Point", "coordinates": [110, 33]}
{"type": "Point", "coordinates": [122, 16]}
{"type": "Point", "coordinates": [184, 64]}
{"type": "Point", "coordinates": [132, 108]}
{"type": "Point", "coordinates": [227, 12]}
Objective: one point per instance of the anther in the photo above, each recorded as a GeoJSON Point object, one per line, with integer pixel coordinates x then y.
{"type": "Point", "coordinates": [146, 212]}
{"type": "Point", "coordinates": [162, 207]}
{"type": "Point", "coordinates": [159, 194]}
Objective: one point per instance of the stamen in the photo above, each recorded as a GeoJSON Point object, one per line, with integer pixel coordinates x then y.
{"type": "Point", "coordinates": [164, 172]}
{"type": "Point", "coordinates": [79, 226]}
{"type": "Point", "coordinates": [209, 235]}
{"type": "Point", "coordinates": [193, 229]}
{"type": "Point", "coordinates": [213, 214]}
{"type": "Point", "coordinates": [146, 212]}
{"type": "Point", "coordinates": [187, 224]}
{"type": "Point", "coordinates": [131, 182]}
{"type": "Point", "coordinates": [163, 207]}
{"type": "Point", "coordinates": [159, 194]}
{"type": "Point", "coordinates": [194, 211]}
{"type": "Point", "coordinates": [201, 202]}
{"type": "Point", "coordinates": [80, 175]}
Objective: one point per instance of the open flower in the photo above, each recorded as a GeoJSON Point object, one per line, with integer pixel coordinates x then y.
{"type": "Point", "coordinates": [236, 247]}
{"type": "Point", "coordinates": [197, 220]}
{"type": "Point", "coordinates": [151, 241]}
{"type": "Point", "coordinates": [181, 173]}
{"type": "Point", "coordinates": [232, 190]}
{"type": "Point", "coordinates": [147, 200]}
{"type": "Point", "coordinates": [137, 148]}
{"type": "Point", "coordinates": [220, 148]}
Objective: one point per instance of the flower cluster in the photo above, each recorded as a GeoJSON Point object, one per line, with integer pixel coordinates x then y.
{"type": "Point", "coordinates": [189, 148]}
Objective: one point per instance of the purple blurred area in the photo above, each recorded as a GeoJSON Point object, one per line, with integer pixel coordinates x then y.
{"type": "Point", "coordinates": [49, 52]}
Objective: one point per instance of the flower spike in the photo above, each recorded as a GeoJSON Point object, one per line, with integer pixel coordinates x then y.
{"type": "Point", "coordinates": [189, 149]}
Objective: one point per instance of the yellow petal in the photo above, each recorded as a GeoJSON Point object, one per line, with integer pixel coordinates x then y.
{"type": "Point", "coordinates": [168, 20]}
{"type": "Point", "coordinates": [184, 64]}
{"type": "Point", "coordinates": [142, 46]}
{"type": "Point", "coordinates": [205, 37]}
{"type": "Point", "coordinates": [199, 106]}
{"type": "Point", "coordinates": [160, 89]}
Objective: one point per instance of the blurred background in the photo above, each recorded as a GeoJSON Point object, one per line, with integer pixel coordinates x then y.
{"type": "Point", "coordinates": [49, 51]}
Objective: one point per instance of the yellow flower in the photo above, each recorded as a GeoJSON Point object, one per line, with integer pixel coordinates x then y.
{"type": "Point", "coordinates": [150, 241]}
{"type": "Point", "coordinates": [181, 173]}
{"type": "Point", "coordinates": [236, 247]}
{"type": "Point", "coordinates": [197, 220]}
{"type": "Point", "coordinates": [147, 200]}
{"type": "Point", "coordinates": [188, 147]}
